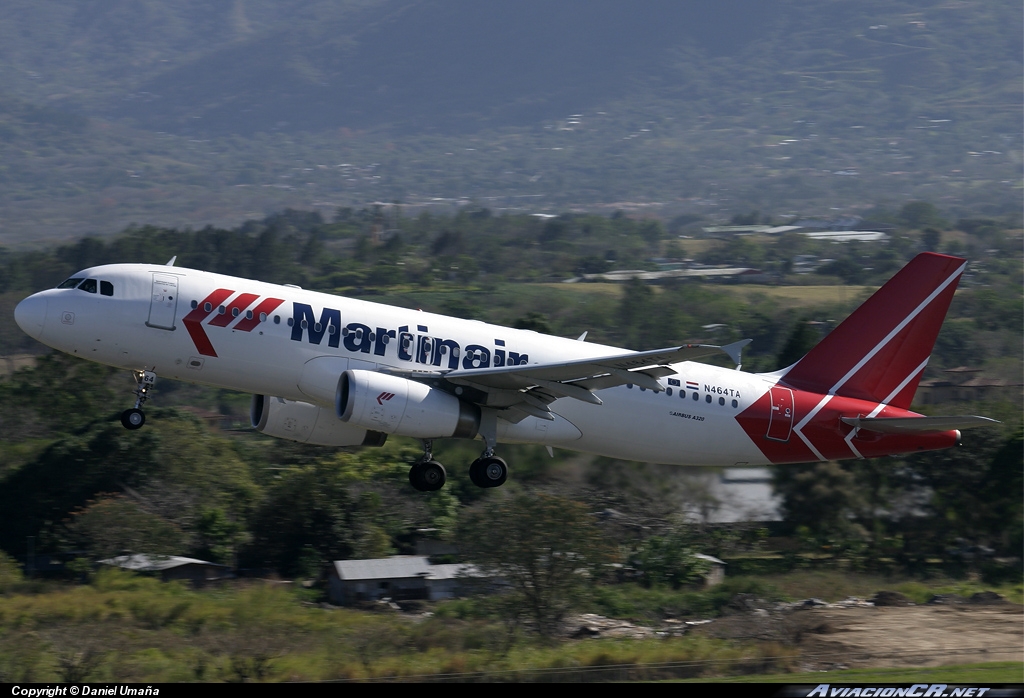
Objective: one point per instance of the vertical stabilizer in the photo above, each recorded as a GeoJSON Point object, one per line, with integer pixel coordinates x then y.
{"type": "Point", "coordinates": [879, 352]}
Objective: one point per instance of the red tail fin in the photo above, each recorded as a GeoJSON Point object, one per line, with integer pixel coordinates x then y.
{"type": "Point", "coordinates": [879, 352]}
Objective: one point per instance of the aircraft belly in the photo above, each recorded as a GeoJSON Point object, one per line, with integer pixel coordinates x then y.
{"type": "Point", "coordinates": [654, 427]}
{"type": "Point", "coordinates": [245, 362]}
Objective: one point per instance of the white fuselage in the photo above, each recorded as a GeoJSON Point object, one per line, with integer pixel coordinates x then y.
{"type": "Point", "coordinates": [156, 319]}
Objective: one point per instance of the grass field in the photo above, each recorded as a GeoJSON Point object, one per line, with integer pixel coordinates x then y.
{"type": "Point", "coordinates": [793, 296]}
{"type": "Point", "coordinates": [971, 674]}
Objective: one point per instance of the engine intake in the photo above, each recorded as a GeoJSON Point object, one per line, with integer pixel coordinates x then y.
{"type": "Point", "coordinates": [399, 406]}
{"type": "Point", "coordinates": [306, 423]}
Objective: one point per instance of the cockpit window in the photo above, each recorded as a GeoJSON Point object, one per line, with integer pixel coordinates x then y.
{"type": "Point", "coordinates": [89, 286]}
{"type": "Point", "coordinates": [106, 288]}
{"type": "Point", "coordinates": [71, 283]}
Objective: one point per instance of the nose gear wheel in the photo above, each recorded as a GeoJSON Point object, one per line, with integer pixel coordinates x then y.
{"type": "Point", "coordinates": [134, 418]}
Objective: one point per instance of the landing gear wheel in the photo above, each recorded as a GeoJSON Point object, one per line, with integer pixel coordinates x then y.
{"type": "Point", "coordinates": [133, 418]}
{"type": "Point", "coordinates": [427, 476]}
{"type": "Point", "coordinates": [488, 472]}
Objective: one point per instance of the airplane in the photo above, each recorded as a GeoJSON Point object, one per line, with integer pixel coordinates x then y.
{"type": "Point", "coordinates": [334, 371]}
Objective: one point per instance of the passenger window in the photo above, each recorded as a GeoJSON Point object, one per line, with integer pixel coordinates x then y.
{"type": "Point", "coordinates": [89, 286]}
{"type": "Point", "coordinates": [106, 288]}
{"type": "Point", "coordinates": [71, 283]}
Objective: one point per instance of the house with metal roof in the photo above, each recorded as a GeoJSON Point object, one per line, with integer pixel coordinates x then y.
{"type": "Point", "coordinates": [398, 578]}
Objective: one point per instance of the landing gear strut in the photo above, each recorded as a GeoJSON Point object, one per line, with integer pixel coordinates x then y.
{"type": "Point", "coordinates": [488, 470]}
{"type": "Point", "coordinates": [134, 418]}
{"type": "Point", "coordinates": [427, 475]}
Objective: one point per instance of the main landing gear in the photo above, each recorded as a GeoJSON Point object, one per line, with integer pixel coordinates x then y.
{"type": "Point", "coordinates": [427, 475]}
{"type": "Point", "coordinates": [134, 418]}
{"type": "Point", "coordinates": [488, 471]}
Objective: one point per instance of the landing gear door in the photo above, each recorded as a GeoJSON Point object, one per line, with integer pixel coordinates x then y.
{"type": "Point", "coordinates": [780, 421]}
{"type": "Point", "coordinates": [164, 303]}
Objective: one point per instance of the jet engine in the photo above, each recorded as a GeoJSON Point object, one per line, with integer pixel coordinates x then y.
{"type": "Point", "coordinates": [308, 424]}
{"type": "Point", "coordinates": [395, 405]}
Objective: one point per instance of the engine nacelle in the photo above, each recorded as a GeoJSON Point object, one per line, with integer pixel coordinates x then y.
{"type": "Point", "coordinates": [308, 424]}
{"type": "Point", "coordinates": [396, 405]}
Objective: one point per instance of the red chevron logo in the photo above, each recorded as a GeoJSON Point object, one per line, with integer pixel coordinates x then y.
{"type": "Point", "coordinates": [384, 396]}
{"type": "Point", "coordinates": [211, 305]}
{"type": "Point", "coordinates": [194, 321]}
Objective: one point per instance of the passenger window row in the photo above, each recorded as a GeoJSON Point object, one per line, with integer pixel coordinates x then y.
{"type": "Point", "coordinates": [694, 395]}
{"type": "Point", "coordinates": [235, 312]}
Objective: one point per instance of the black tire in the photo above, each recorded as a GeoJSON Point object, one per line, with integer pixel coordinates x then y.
{"type": "Point", "coordinates": [475, 476]}
{"type": "Point", "coordinates": [432, 476]}
{"type": "Point", "coordinates": [488, 472]}
{"type": "Point", "coordinates": [133, 418]}
{"type": "Point", "coordinates": [414, 478]}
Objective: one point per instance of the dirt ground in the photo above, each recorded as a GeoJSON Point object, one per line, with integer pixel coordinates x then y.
{"type": "Point", "coordinates": [914, 636]}
{"type": "Point", "coordinates": [888, 636]}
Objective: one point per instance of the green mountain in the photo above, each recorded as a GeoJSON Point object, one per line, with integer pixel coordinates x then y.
{"type": "Point", "coordinates": [214, 112]}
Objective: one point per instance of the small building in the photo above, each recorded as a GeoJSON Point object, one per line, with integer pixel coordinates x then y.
{"type": "Point", "coordinates": [172, 567]}
{"type": "Point", "coordinates": [703, 273]}
{"type": "Point", "coordinates": [848, 236]}
{"type": "Point", "coordinates": [716, 573]}
{"type": "Point", "coordinates": [400, 577]}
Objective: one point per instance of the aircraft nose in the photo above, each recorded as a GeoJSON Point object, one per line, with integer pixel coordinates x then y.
{"type": "Point", "coordinates": [30, 315]}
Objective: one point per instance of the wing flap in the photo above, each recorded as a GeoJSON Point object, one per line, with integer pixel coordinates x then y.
{"type": "Point", "coordinates": [517, 377]}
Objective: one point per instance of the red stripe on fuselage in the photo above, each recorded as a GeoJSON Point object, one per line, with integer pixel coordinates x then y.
{"type": "Point", "coordinates": [827, 433]}
{"type": "Point", "coordinates": [267, 306]}
{"type": "Point", "coordinates": [193, 321]}
{"type": "Point", "coordinates": [239, 304]}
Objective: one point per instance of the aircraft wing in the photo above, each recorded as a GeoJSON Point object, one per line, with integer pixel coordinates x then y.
{"type": "Point", "coordinates": [530, 388]}
{"type": "Point", "coordinates": [917, 425]}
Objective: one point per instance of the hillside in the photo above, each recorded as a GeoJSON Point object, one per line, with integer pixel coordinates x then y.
{"type": "Point", "coordinates": [225, 112]}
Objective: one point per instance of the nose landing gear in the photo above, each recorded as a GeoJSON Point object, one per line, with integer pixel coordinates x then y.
{"type": "Point", "coordinates": [134, 418]}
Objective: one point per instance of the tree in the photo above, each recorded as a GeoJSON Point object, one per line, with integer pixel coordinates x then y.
{"type": "Point", "coordinates": [669, 559]}
{"type": "Point", "coordinates": [820, 498]}
{"type": "Point", "coordinates": [115, 525]}
{"type": "Point", "coordinates": [546, 547]}
{"type": "Point", "coordinates": [533, 321]}
{"type": "Point", "coordinates": [921, 214]}
{"type": "Point", "coordinates": [801, 340]}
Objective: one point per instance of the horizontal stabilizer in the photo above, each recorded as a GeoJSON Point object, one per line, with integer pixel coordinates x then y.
{"type": "Point", "coordinates": [735, 351]}
{"type": "Point", "coordinates": [917, 425]}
